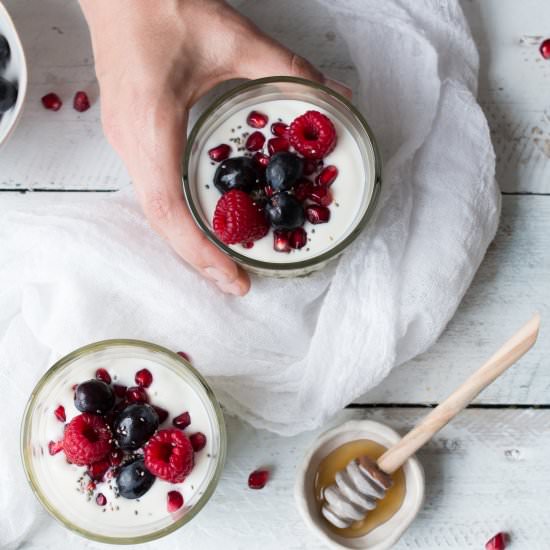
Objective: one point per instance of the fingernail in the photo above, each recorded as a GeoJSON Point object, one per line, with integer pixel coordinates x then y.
{"type": "Point", "coordinates": [231, 288]}
{"type": "Point", "coordinates": [339, 87]}
{"type": "Point", "coordinates": [216, 275]}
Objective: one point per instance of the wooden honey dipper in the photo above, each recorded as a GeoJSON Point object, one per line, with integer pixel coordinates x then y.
{"type": "Point", "coordinates": [358, 488]}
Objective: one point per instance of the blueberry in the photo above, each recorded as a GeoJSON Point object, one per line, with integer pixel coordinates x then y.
{"type": "Point", "coordinates": [285, 212]}
{"type": "Point", "coordinates": [283, 170]}
{"type": "Point", "coordinates": [238, 173]}
{"type": "Point", "coordinates": [4, 51]}
{"type": "Point", "coordinates": [8, 95]}
{"type": "Point", "coordinates": [135, 425]}
{"type": "Point", "coordinates": [134, 480]}
{"type": "Point", "coordinates": [94, 396]}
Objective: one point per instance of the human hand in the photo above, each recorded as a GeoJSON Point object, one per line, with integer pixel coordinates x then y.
{"type": "Point", "coordinates": [153, 61]}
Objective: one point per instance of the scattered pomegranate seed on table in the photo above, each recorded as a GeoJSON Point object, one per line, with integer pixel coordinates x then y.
{"type": "Point", "coordinates": [498, 542]}
{"type": "Point", "coordinates": [277, 144]}
{"type": "Point", "coordinates": [255, 141]}
{"type": "Point", "coordinates": [174, 501]}
{"type": "Point", "coordinates": [298, 238]}
{"type": "Point", "coordinates": [184, 355]}
{"type": "Point", "coordinates": [54, 447]}
{"type": "Point", "coordinates": [52, 102]}
{"type": "Point", "coordinates": [198, 441]}
{"type": "Point", "coordinates": [103, 375]}
{"type": "Point", "coordinates": [219, 153]}
{"type": "Point", "coordinates": [101, 499]}
{"type": "Point", "coordinates": [258, 479]}
{"type": "Point", "coordinates": [279, 129]}
{"type": "Point", "coordinates": [327, 175]}
{"type": "Point", "coordinates": [316, 214]}
{"type": "Point", "coordinates": [256, 119]}
{"type": "Point", "coordinates": [182, 420]}
{"type": "Point", "coordinates": [136, 394]}
{"type": "Point", "coordinates": [60, 413]}
{"type": "Point", "coordinates": [144, 378]}
{"type": "Point", "coordinates": [545, 49]}
{"type": "Point", "coordinates": [81, 101]}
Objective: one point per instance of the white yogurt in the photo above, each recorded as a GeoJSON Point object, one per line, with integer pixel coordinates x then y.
{"type": "Point", "coordinates": [350, 190]}
{"type": "Point", "coordinates": [58, 480]}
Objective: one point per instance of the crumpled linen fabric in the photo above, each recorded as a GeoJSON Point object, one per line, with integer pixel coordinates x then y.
{"type": "Point", "coordinates": [292, 352]}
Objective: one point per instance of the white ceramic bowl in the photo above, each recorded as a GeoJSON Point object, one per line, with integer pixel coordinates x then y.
{"type": "Point", "coordinates": [16, 70]}
{"type": "Point", "coordinates": [387, 534]}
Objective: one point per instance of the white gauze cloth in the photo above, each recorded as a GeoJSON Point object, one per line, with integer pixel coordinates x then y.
{"type": "Point", "coordinates": [292, 352]}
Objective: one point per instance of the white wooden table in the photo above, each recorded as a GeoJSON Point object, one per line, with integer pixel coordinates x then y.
{"type": "Point", "coordinates": [490, 469]}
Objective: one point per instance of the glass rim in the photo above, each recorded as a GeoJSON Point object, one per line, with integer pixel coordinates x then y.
{"type": "Point", "coordinates": [25, 428]}
{"type": "Point", "coordinates": [281, 266]}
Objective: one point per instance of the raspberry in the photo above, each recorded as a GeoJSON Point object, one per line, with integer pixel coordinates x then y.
{"type": "Point", "coordinates": [169, 455]}
{"type": "Point", "coordinates": [313, 135]}
{"type": "Point", "coordinates": [238, 219]}
{"type": "Point", "coordinates": [87, 439]}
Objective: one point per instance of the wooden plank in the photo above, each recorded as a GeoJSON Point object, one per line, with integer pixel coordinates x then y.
{"type": "Point", "coordinates": [487, 471]}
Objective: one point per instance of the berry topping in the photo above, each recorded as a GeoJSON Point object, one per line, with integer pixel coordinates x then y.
{"type": "Point", "coordinates": [298, 238]}
{"type": "Point", "coordinates": [238, 173]}
{"type": "Point", "coordinates": [136, 394]}
{"type": "Point", "coordinates": [327, 175]}
{"type": "Point", "coordinates": [313, 135]}
{"type": "Point", "coordinates": [103, 375]}
{"type": "Point", "coordinates": [97, 470]}
{"type": "Point", "coordinates": [258, 478]}
{"type": "Point", "coordinates": [219, 153]}
{"type": "Point", "coordinates": [283, 170]}
{"type": "Point", "coordinates": [52, 102]}
{"type": "Point", "coordinates": [8, 95]}
{"type": "Point", "coordinates": [311, 166]}
{"type": "Point", "coordinates": [144, 378]}
{"type": "Point", "coordinates": [285, 212]}
{"type": "Point", "coordinates": [169, 455]}
{"type": "Point", "coordinates": [134, 426]}
{"type": "Point", "coordinates": [281, 241]}
{"type": "Point", "coordinates": [277, 144]}
{"type": "Point", "coordinates": [115, 457]}
{"type": "Point", "coordinates": [87, 439]}
{"type": "Point", "coordinates": [182, 420]}
{"type": "Point", "coordinates": [60, 413]}
{"type": "Point", "coordinates": [261, 159]}
{"type": "Point", "coordinates": [81, 102]}
{"type": "Point", "coordinates": [255, 141]}
{"type": "Point", "coordinates": [256, 119]}
{"type": "Point", "coordinates": [302, 189]}
{"type": "Point", "coordinates": [498, 542]}
{"type": "Point", "coordinates": [162, 413]}
{"type": "Point", "coordinates": [5, 52]}
{"type": "Point", "coordinates": [174, 501]}
{"type": "Point", "coordinates": [279, 129]}
{"type": "Point", "coordinates": [198, 441]}
{"type": "Point", "coordinates": [94, 396]}
{"type": "Point", "coordinates": [134, 480]}
{"type": "Point", "coordinates": [317, 214]}
{"type": "Point", "coordinates": [55, 447]}
{"type": "Point", "coordinates": [545, 49]}
{"type": "Point", "coordinates": [101, 499]}
{"type": "Point", "coordinates": [120, 391]}
{"type": "Point", "coordinates": [320, 195]}
{"type": "Point", "coordinates": [238, 219]}
{"type": "Point", "coordinates": [247, 245]}
{"type": "Point", "coordinates": [184, 355]}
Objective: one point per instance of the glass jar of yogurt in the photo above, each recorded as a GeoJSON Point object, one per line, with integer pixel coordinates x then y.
{"type": "Point", "coordinates": [229, 121]}
{"type": "Point", "coordinates": [91, 504]}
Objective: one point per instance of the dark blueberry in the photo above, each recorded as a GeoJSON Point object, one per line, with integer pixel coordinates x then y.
{"type": "Point", "coordinates": [8, 95]}
{"type": "Point", "coordinates": [283, 170]}
{"type": "Point", "coordinates": [285, 212]}
{"type": "Point", "coordinates": [134, 426]}
{"type": "Point", "coordinates": [134, 480]}
{"type": "Point", "coordinates": [4, 51]}
{"type": "Point", "coordinates": [94, 396]}
{"type": "Point", "coordinates": [238, 173]}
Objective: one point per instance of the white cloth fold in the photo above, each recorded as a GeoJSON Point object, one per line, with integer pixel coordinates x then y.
{"type": "Point", "coordinates": [292, 352]}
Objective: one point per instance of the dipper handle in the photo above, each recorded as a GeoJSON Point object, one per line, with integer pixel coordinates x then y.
{"type": "Point", "coordinates": [519, 344]}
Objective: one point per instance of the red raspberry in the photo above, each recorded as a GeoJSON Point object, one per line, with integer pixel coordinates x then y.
{"type": "Point", "coordinates": [238, 219]}
{"type": "Point", "coordinates": [87, 439]}
{"type": "Point", "coordinates": [313, 135]}
{"type": "Point", "coordinates": [169, 455]}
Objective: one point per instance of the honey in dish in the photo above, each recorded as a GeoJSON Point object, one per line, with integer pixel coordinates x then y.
{"type": "Point", "coordinates": [338, 460]}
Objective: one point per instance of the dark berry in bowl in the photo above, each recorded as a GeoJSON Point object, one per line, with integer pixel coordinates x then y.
{"type": "Point", "coordinates": [5, 52]}
{"type": "Point", "coordinates": [237, 173]}
{"type": "Point", "coordinates": [134, 480]}
{"type": "Point", "coordinates": [94, 396]}
{"type": "Point", "coordinates": [8, 95]}
{"type": "Point", "coordinates": [134, 426]}
{"type": "Point", "coordinates": [285, 212]}
{"type": "Point", "coordinates": [283, 170]}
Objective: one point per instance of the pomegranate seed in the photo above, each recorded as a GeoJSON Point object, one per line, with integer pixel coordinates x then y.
{"type": "Point", "coordinates": [115, 457]}
{"type": "Point", "coordinates": [54, 447]}
{"type": "Point", "coordinates": [81, 102]}
{"type": "Point", "coordinates": [174, 501]}
{"type": "Point", "coordinates": [144, 378]}
{"type": "Point", "coordinates": [52, 102]}
{"type": "Point", "coordinates": [136, 394]}
{"type": "Point", "coordinates": [261, 159]}
{"type": "Point", "coordinates": [268, 190]}
{"type": "Point", "coordinates": [302, 189]}
{"type": "Point", "coordinates": [163, 413]}
{"type": "Point", "coordinates": [311, 166]}
{"type": "Point", "coordinates": [255, 141]}
{"type": "Point", "coordinates": [256, 119]}
{"type": "Point", "coordinates": [277, 144]}
{"type": "Point", "coordinates": [102, 374]}
{"type": "Point", "coordinates": [60, 413]}
{"type": "Point", "coordinates": [98, 469]}
{"type": "Point", "coordinates": [279, 129]}
{"type": "Point", "coordinates": [120, 391]}
{"type": "Point", "coordinates": [545, 49]}
{"type": "Point", "coordinates": [219, 153]}
{"type": "Point", "coordinates": [101, 499]}
{"type": "Point", "coordinates": [498, 542]}
{"type": "Point", "coordinates": [320, 195]}
{"type": "Point", "coordinates": [327, 175]}
{"type": "Point", "coordinates": [185, 356]}
{"type": "Point", "coordinates": [298, 238]}
{"type": "Point", "coordinates": [248, 245]}
{"type": "Point", "coordinates": [182, 420]}
{"type": "Point", "coordinates": [198, 441]}
{"type": "Point", "coordinates": [281, 241]}
{"type": "Point", "coordinates": [317, 214]}
{"type": "Point", "coordinates": [258, 478]}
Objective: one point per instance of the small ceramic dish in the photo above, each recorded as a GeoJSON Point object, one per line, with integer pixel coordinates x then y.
{"type": "Point", "coordinates": [385, 535]}
{"type": "Point", "coordinates": [15, 71]}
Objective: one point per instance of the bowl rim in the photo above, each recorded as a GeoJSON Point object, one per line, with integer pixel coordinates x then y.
{"type": "Point", "coordinates": [65, 361]}
{"type": "Point", "coordinates": [267, 266]}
